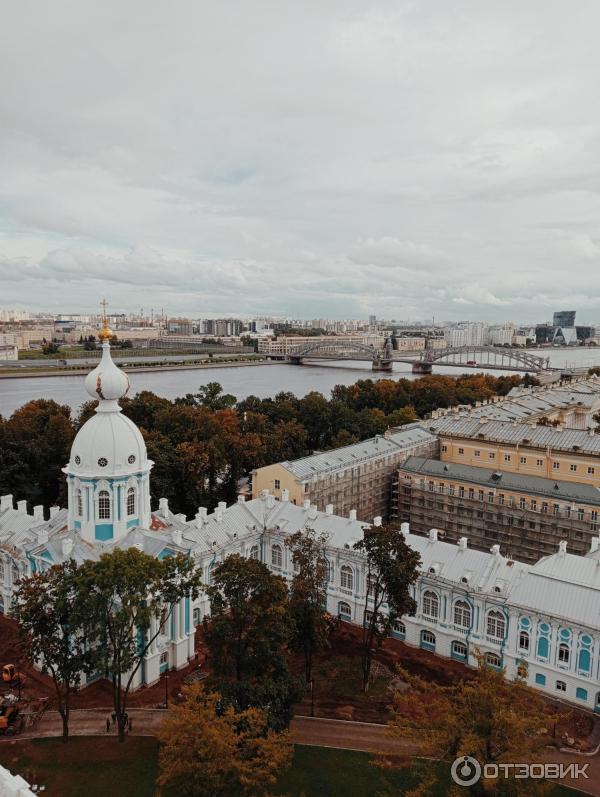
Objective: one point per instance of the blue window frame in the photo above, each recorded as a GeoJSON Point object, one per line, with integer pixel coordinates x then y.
{"type": "Point", "coordinates": [581, 694]}
{"type": "Point", "coordinates": [540, 679]}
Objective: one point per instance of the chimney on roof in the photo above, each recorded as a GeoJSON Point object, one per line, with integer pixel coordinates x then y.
{"type": "Point", "coordinates": [377, 520]}
{"type": "Point", "coordinates": [462, 543]}
{"type": "Point", "coordinates": [285, 495]}
{"type": "Point", "coordinates": [201, 516]}
{"type": "Point", "coordinates": [264, 494]}
{"type": "Point", "coordinates": [329, 509]}
{"type": "Point", "coordinates": [163, 507]}
{"type": "Point", "coordinates": [495, 550]}
{"type": "Point", "coordinates": [222, 505]}
{"type": "Point", "coordinates": [352, 514]}
{"type": "Point", "coordinates": [38, 512]}
{"type": "Point", "coordinates": [241, 499]}
{"type": "Point", "coordinates": [594, 544]}
{"type": "Point", "coordinates": [405, 528]}
{"type": "Point", "coordinates": [433, 535]}
{"type": "Point", "coordinates": [218, 514]}
{"type": "Point", "coordinates": [270, 501]}
{"type": "Point", "coordinates": [177, 536]}
{"type": "Point", "coordinates": [54, 510]}
{"type": "Point", "coordinates": [67, 546]}
{"type": "Point", "coordinates": [6, 502]}
{"type": "Point", "coordinates": [22, 506]}
{"type": "Point", "coordinates": [562, 547]}
{"type": "Point", "coordinates": [306, 503]}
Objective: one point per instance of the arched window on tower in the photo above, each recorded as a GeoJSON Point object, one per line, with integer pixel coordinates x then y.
{"type": "Point", "coordinates": [131, 501]}
{"type": "Point", "coordinates": [103, 505]}
{"type": "Point", "coordinates": [79, 496]}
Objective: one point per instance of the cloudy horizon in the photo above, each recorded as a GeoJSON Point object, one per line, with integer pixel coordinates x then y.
{"type": "Point", "coordinates": [338, 159]}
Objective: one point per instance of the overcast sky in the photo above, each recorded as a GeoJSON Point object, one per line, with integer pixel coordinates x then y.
{"type": "Point", "coordinates": [307, 158]}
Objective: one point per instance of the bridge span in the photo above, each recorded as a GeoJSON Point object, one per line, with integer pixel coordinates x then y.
{"type": "Point", "coordinates": [382, 359]}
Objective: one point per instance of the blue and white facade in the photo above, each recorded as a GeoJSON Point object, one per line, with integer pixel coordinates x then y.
{"type": "Point", "coordinates": [541, 620]}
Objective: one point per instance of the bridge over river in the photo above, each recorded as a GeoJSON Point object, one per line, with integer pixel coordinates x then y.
{"type": "Point", "coordinates": [382, 359]}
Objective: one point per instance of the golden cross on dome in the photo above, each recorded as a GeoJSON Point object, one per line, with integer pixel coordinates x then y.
{"type": "Point", "coordinates": [105, 333]}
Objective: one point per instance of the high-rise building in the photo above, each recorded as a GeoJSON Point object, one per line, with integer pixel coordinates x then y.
{"type": "Point", "coordinates": [564, 318]}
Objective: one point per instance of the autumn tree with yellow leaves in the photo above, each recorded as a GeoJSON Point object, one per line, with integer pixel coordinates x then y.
{"type": "Point", "coordinates": [494, 720]}
{"type": "Point", "coordinates": [210, 751]}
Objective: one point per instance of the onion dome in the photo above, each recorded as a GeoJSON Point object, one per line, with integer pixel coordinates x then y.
{"type": "Point", "coordinates": [107, 382]}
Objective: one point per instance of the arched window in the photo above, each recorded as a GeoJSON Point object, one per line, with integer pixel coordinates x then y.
{"type": "Point", "coordinates": [254, 552]}
{"type": "Point", "coordinates": [496, 624]}
{"type": "Point", "coordinates": [14, 574]}
{"type": "Point", "coordinates": [103, 505]}
{"type": "Point", "coordinates": [524, 640]}
{"type": "Point", "coordinates": [427, 640]}
{"type": "Point", "coordinates": [131, 501]}
{"type": "Point", "coordinates": [431, 604]}
{"type": "Point", "coordinates": [346, 577]}
{"type": "Point", "coordinates": [197, 616]}
{"type": "Point", "coordinates": [399, 629]}
{"type": "Point", "coordinates": [211, 571]}
{"type": "Point", "coordinates": [276, 556]}
{"type": "Point", "coordinates": [493, 660]}
{"type": "Point", "coordinates": [79, 495]}
{"type": "Point", "coordinates": [462, 614]}
{"type": "Point", "coordinates": [459, 650]}
{"type": "Point", "coordinates": [564, 653]}
{"type": "Point", "coordinates": [344, 610]}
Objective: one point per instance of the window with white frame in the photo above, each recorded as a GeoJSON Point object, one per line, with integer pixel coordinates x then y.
{"type": "Point", "coordinates": [399, 627]}
{"type": "Point", "coordinates": [564, 653]}
{"type": "Point", "coordinates": [131, 501]}
{"type": "Point", "coordinates": [254, 552]}
{"type": "Point", "coordinates": [346, 577]}
{"type": "Point", "coordinates": [197, 616]}
{"type": "Point", "coordinates": [427, 637]}
{"type": "Point", "coordinates": [79, 495]}
{"type": "Point", "coordinates": [496, 624]}
{"type": "Point", "coordinates": [277, 484]}
{"type": "Point", "coordinates": [14, 573]}
{"type": "Point", "coordinates": [344, 610]}
{"type": "Point", "coordinates": [104, 505]}
{"type": "Point", "coordinates": [164, 657]}
{"type": "Point", "coordinates": [459, 649]}
{"type": "Point", "coordinates": [431, 604]}
{"type": "Point", "coordinates": [462, 614]}
{"type": "Point", "coordinates": [561, 686]}
{"type": "Point", "coordinates": [524, 640]}
{"type": "Point", "coordinates": [276, 556]}
{"type": "Point", "coordinates": [492, 660]}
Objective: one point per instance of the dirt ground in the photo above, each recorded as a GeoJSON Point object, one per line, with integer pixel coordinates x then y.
{"type": "Point", "coordinates": [337, 679]}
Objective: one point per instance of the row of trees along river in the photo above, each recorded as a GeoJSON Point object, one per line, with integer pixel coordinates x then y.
{"type": "Point", "coordinates": [202, 444]}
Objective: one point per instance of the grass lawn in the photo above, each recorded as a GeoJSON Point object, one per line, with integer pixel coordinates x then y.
{"type": "Point", "coordinates": [95, 767]}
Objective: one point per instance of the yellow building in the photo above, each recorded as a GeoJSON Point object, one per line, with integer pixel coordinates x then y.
{"type": "Point", "coordinates": [356, 478]}
{"type": "Point", "coordinates": [545, 451]}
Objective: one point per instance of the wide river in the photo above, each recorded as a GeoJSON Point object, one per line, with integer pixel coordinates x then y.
{"type": "Point", "coordinates": [242, 381]}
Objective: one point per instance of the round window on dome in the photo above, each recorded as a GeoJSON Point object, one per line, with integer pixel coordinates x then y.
{"type": "Point", "coordinates": [131, 459]}
{"type": "Point", "coordinates": [78, 460]}
{"type": "Point", "coordinates": [103, 462]}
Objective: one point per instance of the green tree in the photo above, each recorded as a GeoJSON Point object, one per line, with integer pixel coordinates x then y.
{"type": "Point", "coordinates": [391, 569]}
{"type": "Point", "coordinates": [208, 751]}
{"type": "Point", "coordinates": [124, 592]}
{"type": "Point", "coordinates": [247, 636]}
{"type": "Point", "coordinates": [50, 349]}
{"type": "Point", "coordinates": [485, 716]}
{"type": "Point", "coordinates": [48, 608]}
{"type": "Point", "coordinates": [212, 396]}
{"type": "Point", "coordinates": [308, 595]}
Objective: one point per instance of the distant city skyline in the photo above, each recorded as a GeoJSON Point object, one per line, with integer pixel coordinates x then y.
{"type": "Point", "coordinates": [405, 159]}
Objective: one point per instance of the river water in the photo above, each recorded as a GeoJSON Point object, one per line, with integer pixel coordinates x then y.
{"type": "Point", "coordinates": [242, 381]}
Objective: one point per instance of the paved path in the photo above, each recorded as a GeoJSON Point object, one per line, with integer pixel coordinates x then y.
{"type": "Point", "coordinates": [305, 730]}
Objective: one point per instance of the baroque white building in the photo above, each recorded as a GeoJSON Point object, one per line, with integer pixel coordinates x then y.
{"type": "Point", "coordinates": [542, 619]}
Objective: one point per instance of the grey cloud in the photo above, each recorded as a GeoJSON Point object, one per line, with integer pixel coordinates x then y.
{"type": "Point", "coordinates": [307, 158]}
